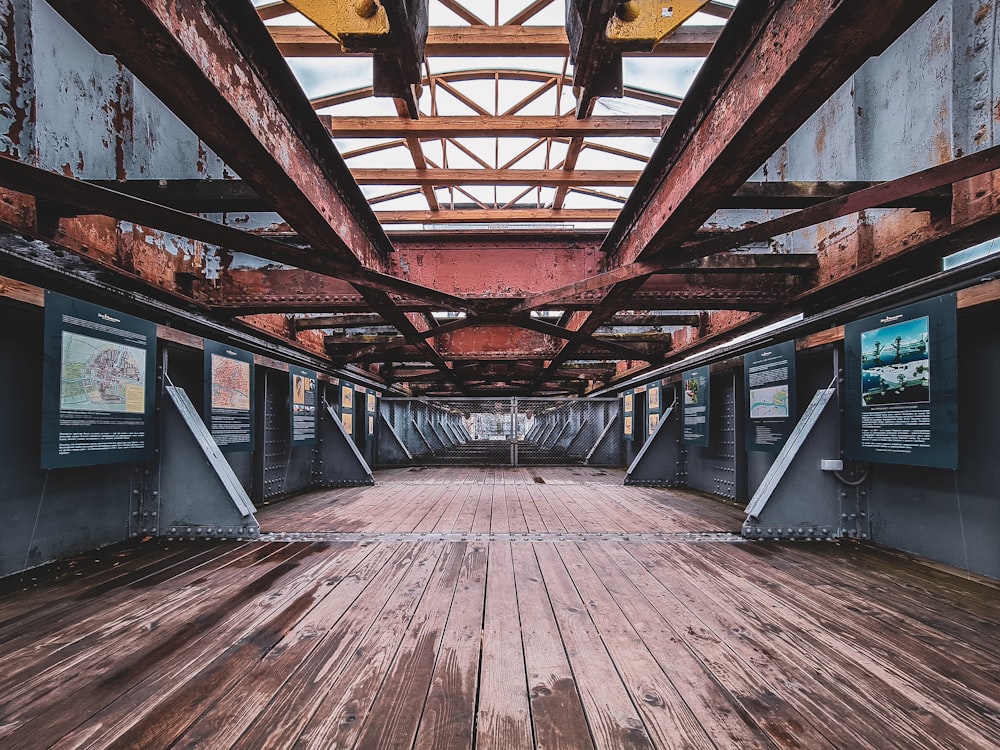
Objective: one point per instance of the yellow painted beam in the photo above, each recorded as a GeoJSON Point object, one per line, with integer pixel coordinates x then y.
{"type": "Point", "coordinates": [646, 22]}
{"type": "Point", "coordinates": [345, 19]}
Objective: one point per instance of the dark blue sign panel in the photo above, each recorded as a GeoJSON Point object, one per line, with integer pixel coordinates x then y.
{"type": "Point", "coordinates": [902, 386]}
{"type": "Point", "coordinates": [99, 380]}
{"type": "Point", "coordinates": [694, 406]}
{"type": "Point", "coordinates": [303, 387]}
{"type": "Point", "coordinates": [769, 384]}
{"type": "Point", "coordinates": [229, 396]}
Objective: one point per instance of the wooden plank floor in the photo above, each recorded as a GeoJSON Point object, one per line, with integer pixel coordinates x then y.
{"type": "Point", "coordinates": [508, 608]}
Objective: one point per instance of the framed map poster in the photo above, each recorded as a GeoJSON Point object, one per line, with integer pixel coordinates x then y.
{"type": "Point", "coordinates": [228, 407]}
{"type": "Point", "coordinates": [98, 381]}
{"type": "Point", "coordinates": [769, 385]}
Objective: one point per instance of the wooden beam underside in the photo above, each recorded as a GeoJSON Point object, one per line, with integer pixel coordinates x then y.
{"type": "Point", "coordinates": [491, 41]}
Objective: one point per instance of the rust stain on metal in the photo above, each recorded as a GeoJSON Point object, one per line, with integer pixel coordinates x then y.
{"type": "Point", "coordinates": [495, 342]}
{"type": "Point", "coordinates": [18, 79]}
{"type": "Point", "coordinates": [96, 236]}
{"type": "Point", "coordinates": [142, 251]}
{"type": "Point", "coordinates": [123, 116]}
{"type": "Point", "coordinates": [17, 209]}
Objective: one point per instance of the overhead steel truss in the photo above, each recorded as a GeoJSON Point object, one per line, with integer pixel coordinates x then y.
{"type": "Point", "coordinates": [534, 271]}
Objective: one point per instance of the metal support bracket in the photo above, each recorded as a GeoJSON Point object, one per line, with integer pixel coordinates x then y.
{"type": "Point", "coordinates": [391, 449]}
{"type": "Point", "coordinates": [660, 462]}
{"type": "Point", "coordinates": [198, 494]}
{"type": "Point", "coordinates": [642, 24]}
{"type": "Point", "coordinates": [798, 500]}
{"type": "Point", "coordinates": [607, 451]}
{"type": "Point", "coordinates": [356, 24]}
{"type": "Point", "coordinates": [394, 31]}
{"type": "Point", "coordinates": [340, 462]}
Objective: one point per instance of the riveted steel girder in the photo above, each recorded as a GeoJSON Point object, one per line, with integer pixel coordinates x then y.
{"type": "Point", "coordinates": [216, 67]}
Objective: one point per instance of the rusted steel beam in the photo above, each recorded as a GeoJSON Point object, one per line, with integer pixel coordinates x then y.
{"type": "Point", "coordinates": [491, 41]}
{"type": "Point", "coordinates": [448, 327]}
{"type": "Point", "coordinates": [802, 194]}
{"type": "Point", "coordinates": [655, 319]}
{"type": "Point", "coordinates": [194, 196]}
{"type": "Point", "coordinates": [361, 339]}
{"type": "Point", "coordinates": [494, 269]}
{"type": "Point", "coordinates": [776, 62]}
{"type": "Point", "coordinates": [717, 291]}
{"type": "Point", "coordinates": [597, 69]}
{"type": "Point", "coordinates": [907, 265]}
{"type": "Point", "coordinates": [410, 325]}
{"type": "Point", "coordinates": [252, 292]}
{"type": "Point", "coordinates": [526, 126]}
{"type": "Point", "coordinates": [748, 263]}
{"type": "Point", "coordinates": [364, 320]}
{"type": "Point", "coordinates": [446, 177]}
{"type": "Point", "coordinates": [544, 240]}
{"type": "Point", "coordinates": [719, 10]}
{"type": "Point", "coordinates": [225, 196]}
{"type": "Point", "coordinates": [585, 325]}
{"type": "Point", "coordinates": [555, 331]}
{"type": "Point", "coordinates": [76, 196]}
{"type": "Point", "coordinates": [392, 31]}
{"type": "Point", "coordinates": [648, 337]}
{"type": "Point", "coordinates": [247, 292]}
{"type": "Point", "coordinates": [499, 216]}
{"type": "Point", "coordinates": [948, 173]}
{"type": "Point", "coordinates": [409, 374]}
{"type": "Point", "coordinates": [215, 66]}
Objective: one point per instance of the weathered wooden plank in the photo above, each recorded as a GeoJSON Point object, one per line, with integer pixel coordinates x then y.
{"type": "Point", "coordinates": [450, 708]}
{"type": "Point", "coordinates": [231, 715]}
{"type": "Point", "coordinates": [503, 718]}
{"type": "Point", "coordinates": [759, 645]}
{"type": "Point", "coordinates": [33, 596]}
{"type": "Point", "coordinates": [66, 696]}
{"type": "Point", "coordinates": [613, 719]}
{"type": "Point", "coordinates": [665, 715]}
{"type": "Point", "coordinates": [483, 519]}
{"type": "Point", "coordinates": [725, 720]}
{"type": "Point", "coordinates": [557, 714]}
{"type": "Point", "coordinates": [753, 686]}
{"type": "Point", "coordinates": [316, 676]}
{"type": "Point", "coordinates": [393, 665]}
{"type": "Point", "coordinates": [161, 708]}
{"type": "Point", "coordinates": [44, 628]}
{"type": "Point", "coordinates": [846, 681]}
{"type": "Point", "coordinates": [904, 654]}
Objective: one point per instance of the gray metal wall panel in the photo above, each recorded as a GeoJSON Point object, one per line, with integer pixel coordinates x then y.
{"type": "Point", "coordinates": [720, 469]}
{"type": "Point", "coordinates": [76, 509]}
{"type": "Point", "coordinates": [286, 469]}
{"type": "Point", "coordinates": [937, 513]}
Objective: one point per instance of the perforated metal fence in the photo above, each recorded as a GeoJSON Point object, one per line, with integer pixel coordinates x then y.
{"type": "Point", "coordinates": [499, 431]}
